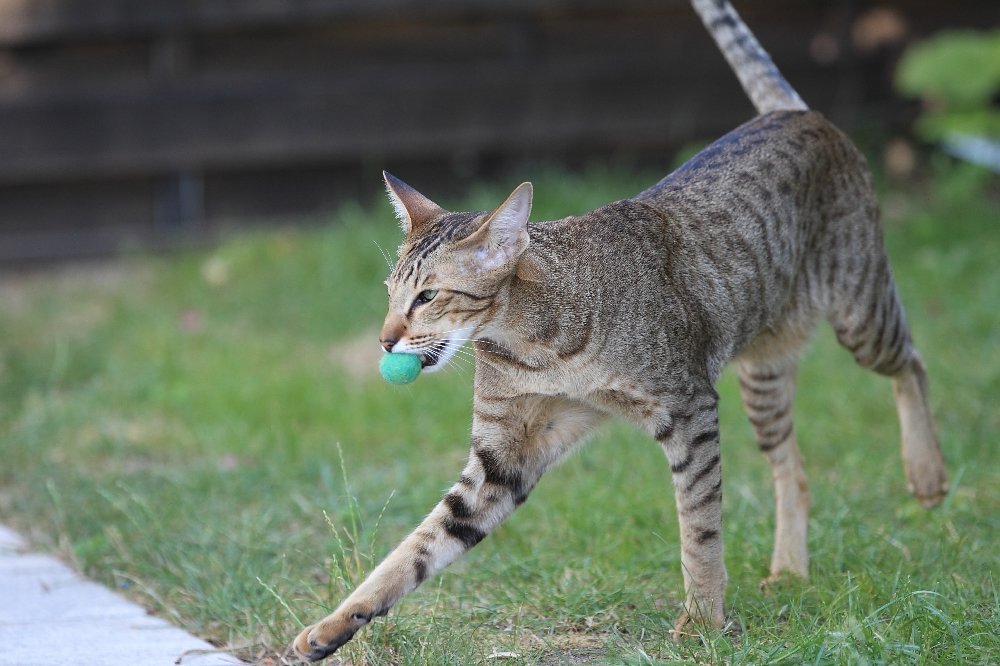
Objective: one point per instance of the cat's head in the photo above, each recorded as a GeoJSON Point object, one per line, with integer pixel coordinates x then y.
{"type": "Point", "coordinates": [452, 270]}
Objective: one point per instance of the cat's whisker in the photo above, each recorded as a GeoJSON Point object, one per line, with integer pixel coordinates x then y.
{"type": "Point", "coordinates": [488, 362]}
{"type": "Point", "coordinates": [384, 255]}
{"type": "Point", "coordinates": [463, 329]}
{"type": "Point", "coordinates": [472, 353]}
{"type": "Point", "coordinates": [461, 363]}
{"type": "Point", "coordinates": [473, 358]}
{"type": "Point", "coordinates": [482, 341]}
{"type": "Point", "coordinates": [465, 352]}
{"type": "Point", "coordinates": [464, 359]}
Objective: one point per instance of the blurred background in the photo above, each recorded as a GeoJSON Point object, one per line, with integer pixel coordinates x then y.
{"type": "Point", "coordinates": [130, 124]}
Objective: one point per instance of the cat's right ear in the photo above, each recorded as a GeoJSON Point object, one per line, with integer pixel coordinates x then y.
{"type": "Point", "coordinates": [412, 208]}
{"type": "Point", "coordinates": [502, 236]}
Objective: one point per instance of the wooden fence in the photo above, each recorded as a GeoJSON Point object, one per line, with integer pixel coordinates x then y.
{"type": "Point", "coordinates": [148, 122]}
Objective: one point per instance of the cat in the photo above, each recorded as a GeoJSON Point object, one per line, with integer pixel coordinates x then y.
{"type": "Point", "coordinates": [633, 310]}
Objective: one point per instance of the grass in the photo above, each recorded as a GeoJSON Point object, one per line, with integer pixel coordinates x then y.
{"type": "Point", "coordinates": [208, 433]}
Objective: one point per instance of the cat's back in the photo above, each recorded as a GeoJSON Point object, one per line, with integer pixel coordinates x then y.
{"type": "Point", "coordinates": [760, 164]}
{"type": "Point", "coordinates": [774, 159]}
{"type": "Point", "coordinates": [764, 193]}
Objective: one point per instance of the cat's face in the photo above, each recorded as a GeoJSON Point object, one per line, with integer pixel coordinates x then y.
{"type": "Point", "coordinates": [448, 281]}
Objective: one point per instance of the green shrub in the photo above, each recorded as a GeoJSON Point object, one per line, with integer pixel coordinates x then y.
{"type": "Point", "coordinates": [957, 75]}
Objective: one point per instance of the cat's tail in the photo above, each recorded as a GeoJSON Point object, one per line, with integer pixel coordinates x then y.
{"type": "Point", "coordinates": [766, 87]}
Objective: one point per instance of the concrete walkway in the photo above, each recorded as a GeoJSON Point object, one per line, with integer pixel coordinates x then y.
{"type": "Point", "coordinates": [50, 615]}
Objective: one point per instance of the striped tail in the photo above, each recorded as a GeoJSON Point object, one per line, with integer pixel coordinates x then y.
{"type": "Point", "coordinates": [763, 83]}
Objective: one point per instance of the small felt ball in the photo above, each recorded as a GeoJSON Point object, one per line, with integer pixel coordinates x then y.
{"type": "Point", "coordinates": [399, 368]}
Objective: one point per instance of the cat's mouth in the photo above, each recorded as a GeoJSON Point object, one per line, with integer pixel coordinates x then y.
{"type": "Point", "coordinates": [440, 352]}
{"type": "Point", "coordinates": [433, 355]}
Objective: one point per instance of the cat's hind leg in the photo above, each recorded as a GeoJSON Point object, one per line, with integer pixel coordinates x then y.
{"type": "Point", "coordinates": [926, 477]}
{"type": "Point", "coordinates": [869, 323]}
{"type": "Point", "coordinates": [768, 390]}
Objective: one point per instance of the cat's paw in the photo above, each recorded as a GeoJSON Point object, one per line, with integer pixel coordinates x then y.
{"type": "Point", "coordinates": [324, 638]}
{"type": "Point", "coordinates": [926, 479]}
{"type": "Point", "coordinates": [688, 625]}
{"type": "Point", "coordinates": [785, 576]}
{"type": "Point", "coordinates": [683, 627]}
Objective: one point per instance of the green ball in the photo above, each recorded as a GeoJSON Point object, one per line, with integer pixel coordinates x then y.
{"type": "Point", "coordinates": [399, 368]}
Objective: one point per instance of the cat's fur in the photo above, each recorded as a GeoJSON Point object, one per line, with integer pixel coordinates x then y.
{"type": "Point", "coordinates": [632, 310]}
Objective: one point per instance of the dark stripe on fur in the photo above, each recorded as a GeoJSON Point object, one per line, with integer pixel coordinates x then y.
{"type": "Point", "coordinates": [457, 505]}
{"type": "Point", "coordinates": [703, 472]}
{"type": "Point", "coordinates": [706, 436]}
{"type": "Point", "coordinates": [713, 495]}
{"type": "Point", "coordinates": [682, 465]}
{"type": "Point", "coordinates": [663, 433]}
{"type": "Point", "coordinates": [468, 534]}
{"type": "Point", "coordinates": [750, 388]}
{"type": "Point", "coordinates": [760, 422]}
{"type": "Point", "coordinates": [770, 443]}
{"type": "Point", "coordinates": [489, 418]}
{"type": "Point", "coordinates": [469, 311]}
{"type": "Point", "coordinates": [473, 296]}
{"type": "Point", "coordinates": [706, 535]}
{"type": "Point", "coordinates": [496, 473]}
{"type": "Point", "coordinates": [420, 570]}
{"type": "Point", "coordinates": [581, 343]}
{"type": "Point", "coordinates": [497, 352]}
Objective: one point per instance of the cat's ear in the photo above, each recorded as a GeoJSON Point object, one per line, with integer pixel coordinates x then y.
{"type": "Point", "coordinates": [412, 208]}
{"type": "Point", "coordinates": [503, 235]}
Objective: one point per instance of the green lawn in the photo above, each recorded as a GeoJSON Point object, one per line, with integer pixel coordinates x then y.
{"type": "Point", "coordinates": [208, 432]}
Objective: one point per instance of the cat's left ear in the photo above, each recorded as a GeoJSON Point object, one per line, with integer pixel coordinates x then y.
{"type": "Point", "coordinates": [503, 235]}
{"type": "Point", "coordinates": [412, 208]}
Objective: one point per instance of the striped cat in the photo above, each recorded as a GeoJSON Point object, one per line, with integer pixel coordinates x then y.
{"type": "Point", "coordinates": [632, 310]}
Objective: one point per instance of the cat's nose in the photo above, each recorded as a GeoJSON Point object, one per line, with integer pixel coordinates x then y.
{"type": "Point", "coordinates": [393, 329]}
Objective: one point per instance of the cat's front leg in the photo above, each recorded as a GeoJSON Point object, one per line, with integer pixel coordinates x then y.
{"type": "Point", "coordinates": [690, 438]}
{"type": "Point", "coordinates": [513, 442]}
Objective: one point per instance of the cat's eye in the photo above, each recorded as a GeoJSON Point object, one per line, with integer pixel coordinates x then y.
{"type": "Point", "coordinates": [426, 296]}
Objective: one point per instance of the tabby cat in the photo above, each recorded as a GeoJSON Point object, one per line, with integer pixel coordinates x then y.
{"type": "Point", "coordinates": [632, 310]}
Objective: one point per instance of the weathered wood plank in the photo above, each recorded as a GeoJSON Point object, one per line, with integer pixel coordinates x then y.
{"type": "Point", "coordinates": [30, 21]}
{"type": "Point", "coordinates": [247, 99]}
{"type": "Point", "coordinates": [23, 21]}
{"type": "Point", "coordinates": [460, 106]}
